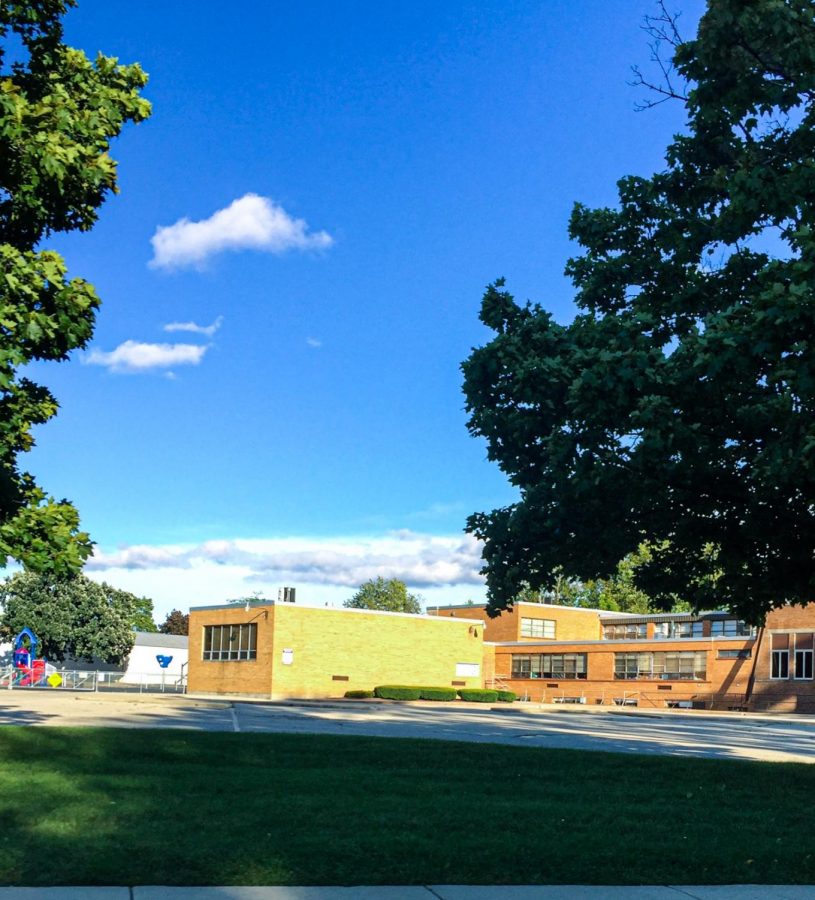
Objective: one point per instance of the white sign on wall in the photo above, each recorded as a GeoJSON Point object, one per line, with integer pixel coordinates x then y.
{"type": "Point", "coordinates": [468, 670]}
{"type": "Point", "coordinates": [288, 656]}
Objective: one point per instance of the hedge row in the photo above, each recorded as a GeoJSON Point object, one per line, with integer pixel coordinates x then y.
{"type": "Point", "coordinates": [476, 695]}
{"type": "Point", "coordinates": [407, 692]}
{"type": "Point", "coordinates": [410, 692]}
{"type": "Point", "coordinates": [359, 695]}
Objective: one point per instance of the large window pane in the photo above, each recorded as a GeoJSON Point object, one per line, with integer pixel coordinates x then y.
{"type": "Point", "coordinates": [549, 665]}
{"type": "Point", "coordinates": [539, 628]}
{"type": "Point", "coordinates": [230, 642]}
{"type": "Point", "coordinates": [676, 665]}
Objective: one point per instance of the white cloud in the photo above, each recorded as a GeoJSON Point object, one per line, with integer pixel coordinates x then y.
{"type": "Point", "coordinates": [249, 223]}
{"type": "Point", "coordinates": [444, 567]}
{"type": "Point", "coordinates": [193, 328]}
{"type": "Point", "coordinates": [314, 342]}
{"type": "Point", "coordinates": [134, 356]}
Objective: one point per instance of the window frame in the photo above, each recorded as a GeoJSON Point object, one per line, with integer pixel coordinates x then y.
{"type": "Point", "coordinates": [529, 626]}
{"type": "Point", "coordinates": [805, 655]}
{"type": "Point", "coordinates": [230, 642]}
{"type": "Point", "coordinates": [726, 653]}
{"type": "Point", "coordinates": [572, 666]}
{"type": "Point", "coordinates": [730, 628]}
{"type": "Point", "coordinates": [661, 665]}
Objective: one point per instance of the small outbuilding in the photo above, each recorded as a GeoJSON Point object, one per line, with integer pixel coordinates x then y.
{"type": "Point", "coordinates": [280, 650]}
{"type": "Point", "coordinates": [157, 659]}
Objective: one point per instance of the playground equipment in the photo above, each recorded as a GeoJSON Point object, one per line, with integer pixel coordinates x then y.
{"type": "Point", "coordinates": [30, 672]}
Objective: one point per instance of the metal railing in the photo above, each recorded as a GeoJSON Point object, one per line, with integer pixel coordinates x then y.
{"type": "Point", "coordinates": [54, 679]}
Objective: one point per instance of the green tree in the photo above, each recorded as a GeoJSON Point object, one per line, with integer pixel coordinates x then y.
{"type": "Point", "coordinates": [71, 616]}
{"type": "Point", "coordinates": [143, 616]}
{"type": "Point", "coordinates": [58, 113]}
{"type": "Point", "coordinates": [616, 593]}
{"type": "Point", "coordinates": [678, 408]}
{"type": "Point", "coordinates": [176, 622]}
{"type": "Point", "coordinates": [390, 595]}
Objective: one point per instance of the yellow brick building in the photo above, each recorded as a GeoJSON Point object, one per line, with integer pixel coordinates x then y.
{"type": "Point", "coordinates": [281, 650]}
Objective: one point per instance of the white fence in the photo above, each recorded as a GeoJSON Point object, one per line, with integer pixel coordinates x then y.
{"type": "Point", "coordinates": [13, 679]}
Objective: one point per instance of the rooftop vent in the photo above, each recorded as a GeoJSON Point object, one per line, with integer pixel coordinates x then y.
{"type": "Point", "coordinates": [285, 595]}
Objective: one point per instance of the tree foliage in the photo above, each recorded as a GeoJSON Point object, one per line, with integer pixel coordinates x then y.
{"type": "Point", "coordinates": [390, 595]}
{"type": "Point", "coordinates": [176, 622]}
{"type": "Point", "coordinates": [71, 616]}
{"type": "Point", "coordinates": [58, 113]}
{"type": "Point", "coordinates": [618, 592]}
{"type": "Point", "coordinates": [678, 407]}
{"type": "Point", "coordinates": [143, 616]}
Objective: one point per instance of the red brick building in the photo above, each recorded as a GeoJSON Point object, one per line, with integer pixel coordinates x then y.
{"type": "Point", "coordinates": [712, 660]}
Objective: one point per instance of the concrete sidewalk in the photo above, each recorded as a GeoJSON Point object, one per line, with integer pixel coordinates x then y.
{"type": "Point", "coordinates": [421, 892]}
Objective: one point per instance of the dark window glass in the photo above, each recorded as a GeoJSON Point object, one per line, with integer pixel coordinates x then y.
{"type": "Point", "coordinates": [230, 642]}
{"type": "Point", "coordinates": [549, 665]}
{"type": "Point", "coordinates": [674, 665]}
{"type": "Point", "coordinates": [780, 664]}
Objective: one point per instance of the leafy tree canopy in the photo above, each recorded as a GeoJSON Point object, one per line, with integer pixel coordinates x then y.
{"type": "Point", "coordinates": [617, 593]}
{"type": "Point", "coordinates": [678, 408]}
{"type": "Point", "coordinates": [390, 595]}
{"type": "Point", "coordinates": [176, 622]}
{"type": "Point", "coordinates": [58, 113]}
{"type": "Point", "coordinates": [143, 615]}
{"type": "Point", "coordinates": [71, 616]}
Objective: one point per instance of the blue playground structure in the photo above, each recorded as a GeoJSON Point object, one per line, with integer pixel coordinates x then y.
{"type": "Point", "coordinates": [30, 672]}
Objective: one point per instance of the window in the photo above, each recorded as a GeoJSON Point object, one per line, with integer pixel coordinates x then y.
{"type": "Point", "coordinates": [629, 632]}
{"type": "Point", "coordinates": [730, 628]}
{"type": "Point", "coordinates": [549, 665]}
{"type": "Point", "coordinates": [803, 656]}
{"type": "Point", "coordinates": [677, 665]}
{"type": "Point", "coordinates": [780, 656]}
{"type": "Point", "coordinates": [538, 628]}
{"type": "Point", "coordinates": [735, 654]}
{"type": "Point", "coordinates": [230, 642]}
{"type": "Point", "coordinates": [674, 630]}
{"type": "Point", "coordinates": [687, 629]}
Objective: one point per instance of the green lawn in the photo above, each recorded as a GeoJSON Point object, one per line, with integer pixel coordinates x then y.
{"type": "Point", "coordinates": [108, 806]}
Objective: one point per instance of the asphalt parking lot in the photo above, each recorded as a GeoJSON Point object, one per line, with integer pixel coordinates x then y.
{"type": "Point", "coordinates": [723, 736]}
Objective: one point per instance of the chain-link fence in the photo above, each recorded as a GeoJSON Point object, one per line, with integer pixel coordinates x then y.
{"type": "Point", "coordinates": [51, 678]}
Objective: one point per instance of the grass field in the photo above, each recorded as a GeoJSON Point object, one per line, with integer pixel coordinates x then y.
{"type": "Point", "coordinates": [107, 806]}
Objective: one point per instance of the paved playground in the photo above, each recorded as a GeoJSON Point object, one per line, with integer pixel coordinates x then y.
{"type": "Point", "coordinates": [723, 736]}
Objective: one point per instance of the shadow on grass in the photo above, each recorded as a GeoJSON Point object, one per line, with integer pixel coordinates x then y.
{"type": "Point", "coordinates": [109, 806]}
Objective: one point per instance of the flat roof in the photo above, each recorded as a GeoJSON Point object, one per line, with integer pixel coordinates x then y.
{"type": "Point", "coordinates": [342, 609]}
{"type": "Point", "coordinates": [641, 645]}
{"type": "Point", "coordinates": [588, 609]}
{"type": "Point", "coordinates": [157, 639]}
{"type": "Point", "coordinates": [609, 615]}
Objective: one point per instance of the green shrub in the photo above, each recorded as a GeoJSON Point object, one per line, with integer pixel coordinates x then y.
{"type": "Point", "coordinates": [507, 696]}
{"type": "Point", "coordinates": [397, 692]}
{"type": "Point", "coordinates": [359, 695]}
{"type": "Point", "coordinates": [438, 693]}
{"type": "Point", "coordinates": [476, 695]}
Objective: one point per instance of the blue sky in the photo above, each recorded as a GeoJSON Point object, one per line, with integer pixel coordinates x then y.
{"type": "Point", "coordinates": [323, 190]}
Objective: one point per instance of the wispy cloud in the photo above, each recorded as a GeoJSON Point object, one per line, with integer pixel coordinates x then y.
{"type": "Point", "coordinates": [134, 356]}
{"type": "Point", "coordinates": [250, 223]}
{"type": "Point", "coordinates": [420, 560]}
{"type": "Point", "coordinates": [193, 328]}
{"type": "Point", "coordinates": [314, 342]}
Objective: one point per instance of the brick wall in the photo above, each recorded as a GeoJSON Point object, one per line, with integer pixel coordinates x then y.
{"type": "Point", "coordinates": [571, 624]}
{"type": "Point", "coordinates": [234, 677]}
{"type": "Point", "coordinates": [791, 693]}
{"type": "Point", "coordinates": [725, 683]}
{"type": "Point", "coordinates": [335, 650]}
